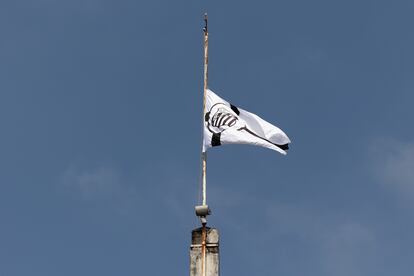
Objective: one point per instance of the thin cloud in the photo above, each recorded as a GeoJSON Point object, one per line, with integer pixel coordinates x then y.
{"type": "Point", "coordinates": [103, 186]}
{"type": "Point", "coordinates": [348, 248]}
{"type": "Point", "coordinates": [394, 166]}
{"type": "Point", "coordinates": [339, 245]}
{"type": "Point", "coordinates": [171, 192]}
{"type": "Point", "coordinates": [91, 184]}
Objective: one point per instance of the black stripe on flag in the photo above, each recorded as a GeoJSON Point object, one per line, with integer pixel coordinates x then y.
{"type": "Point", "coordinates": [235, 109]}
{"type": "Point", "coordinates": [215, 140]}
{"type": "Point", "coordinates": [283, 147]}
{"type": "Point", "coordinates": [227, 119]}
{"type": "Point", "coordinates": [233, 121]}
{"type": "Point", "coordinates": [223, 118]}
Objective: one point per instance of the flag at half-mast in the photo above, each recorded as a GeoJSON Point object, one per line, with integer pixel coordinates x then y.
{"type": "Point", "coordinates": [225, 123]}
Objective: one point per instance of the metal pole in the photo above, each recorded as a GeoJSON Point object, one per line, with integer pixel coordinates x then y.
{"type": "Point", "coordinates": [204, 154]}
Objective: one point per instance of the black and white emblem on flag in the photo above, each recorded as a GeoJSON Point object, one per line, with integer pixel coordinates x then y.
{"type": "Point", "coordinates": [227, 124]}
{"type": "Point", "coordinates": [218, 119]}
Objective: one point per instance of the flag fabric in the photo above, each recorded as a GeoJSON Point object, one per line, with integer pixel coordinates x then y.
{"type": "Point", "coordinates": [225, 123]}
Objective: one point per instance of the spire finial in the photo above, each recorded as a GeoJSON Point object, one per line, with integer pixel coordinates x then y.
{"type": "Point", "coordinates": [205, 29]}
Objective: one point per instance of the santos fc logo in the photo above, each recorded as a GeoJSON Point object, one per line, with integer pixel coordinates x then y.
{"type": "Point", "coordinates": [221, 117]}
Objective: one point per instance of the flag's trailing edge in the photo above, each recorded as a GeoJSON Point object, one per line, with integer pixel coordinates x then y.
{"type": "Point", "coordinates": [225, 123]}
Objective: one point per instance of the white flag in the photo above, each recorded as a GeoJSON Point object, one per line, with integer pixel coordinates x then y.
{"type": "Point", "coordinates": [225, 123]}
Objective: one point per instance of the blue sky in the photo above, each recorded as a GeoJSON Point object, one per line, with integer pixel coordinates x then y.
{"type": "Point", "coordinates": [100, 106]}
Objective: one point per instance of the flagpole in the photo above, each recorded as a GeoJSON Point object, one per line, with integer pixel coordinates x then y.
{"type": "Point", "coordinates": [204, 240]}
{"type": "Point", "coordinates": [204, 154]}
